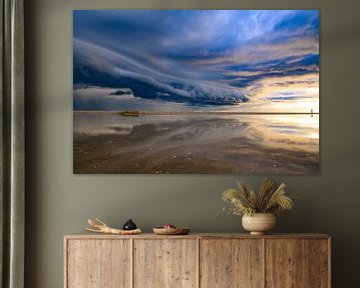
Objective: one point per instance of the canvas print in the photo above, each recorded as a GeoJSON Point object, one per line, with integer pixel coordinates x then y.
{"type": "Point", "coordinates": [195, 91]}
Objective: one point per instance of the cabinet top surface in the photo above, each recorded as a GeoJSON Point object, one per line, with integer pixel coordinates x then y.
{"type": "Point", "coordinates": [86, 235]}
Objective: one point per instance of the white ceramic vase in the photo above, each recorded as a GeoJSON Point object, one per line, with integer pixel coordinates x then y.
{"type": "Point", "coordinates": [259, 223]}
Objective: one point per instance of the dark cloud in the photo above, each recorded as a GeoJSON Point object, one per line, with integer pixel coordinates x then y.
{"type": "Point", "coordinates": [192, 56]}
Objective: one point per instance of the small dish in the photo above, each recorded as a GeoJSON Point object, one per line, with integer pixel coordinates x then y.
{"type": "Point", "coordinates": [171, 231]}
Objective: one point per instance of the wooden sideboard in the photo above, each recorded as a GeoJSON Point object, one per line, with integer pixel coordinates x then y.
{"type": "Point", "coordinates": [197, 260]}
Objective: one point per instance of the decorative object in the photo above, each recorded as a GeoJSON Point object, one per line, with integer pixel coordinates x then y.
{"type": "Point", "coordinates": [187, 92]}
{"type": "Point", "coordinates": [168, 226]}
{"type": "Point", "coordinates": [258, 210]}
{"type": "Point", "coordinates": [101, 227]}
{"type": "Point", "coordinates": [258, 223]}
{"type": "Point", "coordinates": [129, 225]}
{"type": "Point", "coordinates": [171, 231]}
{"type": "Point", "coordinates": [198, 260]}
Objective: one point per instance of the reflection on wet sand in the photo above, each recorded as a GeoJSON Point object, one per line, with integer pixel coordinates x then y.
{"type": "Point", "coordinates": [262, 144]}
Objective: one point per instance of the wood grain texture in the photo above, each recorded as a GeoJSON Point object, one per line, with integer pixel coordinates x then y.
{"type": "Point", "coordinates": [164, 263]}
{"type": "Point", "coordinates": [231, 263]}
{"type": "Point", "coordinates": [319, 263]}
{"type": "Point", "coordinates": [66, 262]}
{"type": "Point", "coordinates": [197, 260]}
{"type": "Point", "coordinates": [98, 264]}
{"type": "Point", "coordinates": [287, 263]}
{"type": "Point", "coordinates": [88, 235]}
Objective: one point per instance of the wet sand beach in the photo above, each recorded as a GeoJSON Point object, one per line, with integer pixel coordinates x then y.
{"type": "Point", "coordinates": [269, 144]}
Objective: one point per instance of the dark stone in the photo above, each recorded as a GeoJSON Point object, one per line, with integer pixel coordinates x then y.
{"type": "Point", "coordinates": [129, 225]}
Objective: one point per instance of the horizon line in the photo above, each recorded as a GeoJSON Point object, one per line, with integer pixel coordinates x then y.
{"type": "Point", "coordinates": [196, 112]}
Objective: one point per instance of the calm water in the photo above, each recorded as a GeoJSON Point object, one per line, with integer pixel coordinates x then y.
{"type": "Point", "coordinates": [196, 144]}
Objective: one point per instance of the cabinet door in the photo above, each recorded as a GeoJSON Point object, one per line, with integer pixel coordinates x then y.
{"type": "Point", "coordinates": [98, 263]}
{"type": "Point", "coordinates": [287, 263]}
{"type": "Point", "coordinates": [231, 263]}
{"type": "Point", "coordinates": [167, 263]}
{"type": "Point", "coordinates": [320, 263]}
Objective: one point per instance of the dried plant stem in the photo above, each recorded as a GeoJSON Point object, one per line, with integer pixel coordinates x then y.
{"type": "Point", "coordinates": [101, 227]}
{"type": "Point", "coordinates": [268, 200]}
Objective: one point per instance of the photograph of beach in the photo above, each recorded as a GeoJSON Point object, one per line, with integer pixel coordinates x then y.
{"type": "Point", "coordinates": [196, 92]}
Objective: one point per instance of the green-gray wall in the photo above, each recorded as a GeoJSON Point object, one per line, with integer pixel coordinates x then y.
{"type": "Point", "coordinates": [59, 202]}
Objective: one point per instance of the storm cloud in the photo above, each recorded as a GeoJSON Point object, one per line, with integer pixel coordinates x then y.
{"type": "Point", "coordinates": [197, 57]}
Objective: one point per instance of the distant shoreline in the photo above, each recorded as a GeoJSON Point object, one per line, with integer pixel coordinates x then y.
{"type": "Point", "coordinates": [169, 113]}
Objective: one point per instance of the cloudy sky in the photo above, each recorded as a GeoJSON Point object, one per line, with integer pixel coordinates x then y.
{"type": "Point", "coordinates": [231, 58]}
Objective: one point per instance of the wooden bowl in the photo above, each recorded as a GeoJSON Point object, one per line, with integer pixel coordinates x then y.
{"type": "Point", "coordinates": [171, 231]}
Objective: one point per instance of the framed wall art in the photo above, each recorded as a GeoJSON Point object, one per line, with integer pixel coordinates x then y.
{"type": "Point", "coordinates": [196, 91]}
